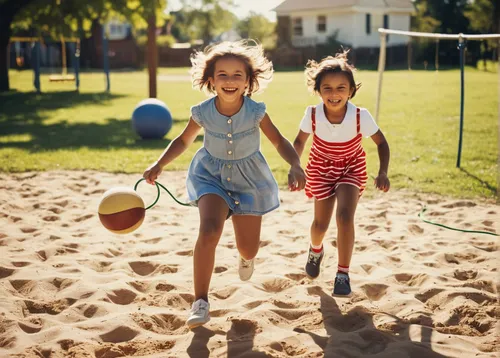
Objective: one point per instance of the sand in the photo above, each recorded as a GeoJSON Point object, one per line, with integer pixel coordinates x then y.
{"type": "Point", "coordinates": [70, 288]}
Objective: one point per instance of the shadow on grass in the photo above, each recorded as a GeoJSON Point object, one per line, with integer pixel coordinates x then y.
{"type": "Point", "coordinates": [109, 134]}
{"type": "Point", "coordinates": [30, 106]}
{"type": "Point", "coordinates": [23, 114]}
{"type": "Point", "coordinates": [484, 183]}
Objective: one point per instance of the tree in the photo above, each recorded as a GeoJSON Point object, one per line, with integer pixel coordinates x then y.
{"type": "Point", "coordinates": [205, 19]}
{"type": "Point", "coordinates": [8, 10]}
{"type": "Point", "coordinates": [259, 28]}
{"type": "Point", "coordinates": [444, 17]}
{"type": "Point", "coordinates": [481, 15]}
{"type": "Point", "coordinates": [68, 18]}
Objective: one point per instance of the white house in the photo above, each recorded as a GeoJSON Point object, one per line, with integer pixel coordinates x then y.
{"type": "Point", "coordinates": [117, 29]}
{"type": "Point", "coordinates": [311, 22]}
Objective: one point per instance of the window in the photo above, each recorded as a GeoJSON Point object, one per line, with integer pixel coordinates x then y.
{"type": "Point", "coordinates": [368, 24]}
{"type": "Point", "coordinates": [297, 26]}
{"type": "Point", "coordinates": [321, 23]}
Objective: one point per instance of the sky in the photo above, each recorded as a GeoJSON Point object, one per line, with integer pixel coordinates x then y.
{"type": "Point", "coordinates": [243, 7]}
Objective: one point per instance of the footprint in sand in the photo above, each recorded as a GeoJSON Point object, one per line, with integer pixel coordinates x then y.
{"type": "Point", "coordinates": [411, 279]}
{"type": "Point", "coordinates": [293, 314]}
{"type": "Point", "coordinates": [153, 241]}
{"type": "Point", "coordinates": [52, 308]}
{"type": "Point", "coordinates": [290, 255]}
{"type": "Point", "coordinates": [296, 276]}
{"type": "Point", "coordinates": [62, 203]}
{"type": "Point", "coordinates": [464, 275]}
{"type": "Point", "coordinates": [119, 334]}
{"type": "Point", "coordinates": [220, 269]}
{"type": "Point", "coordinates": [166, 324]}
{"type": "Point", "coordinates": [264, 243]}
{"type": "Point", "coordinates": [6, 272]}
{"type": "Point", "coordinates": [289, 305]}
{"type": "Point", "coordinates": [371, 228]}
{"type": "Point", "coordinates": [143, 268]}
{"type": "Point", "coordinates": [253, 304]}
{"type": "Point", "coordinates": [415, 229]}
{"type": "Point", "coordinates": [28, 230]}
{"type": "Point", "coordinates": [367, 268]}
{"type": "Point", "coordinates": [243, 327]}
{"type": "Point", "coordinates": [374, 291]}
{"type": "Point", "coordinates": [460, 204]}
{"type": "Point", "coordinates": [185, 253]}
{"type": "Point", "coordinates": [122, 296]}
{"type": "Point", "coordinates": [164, 287]}
{"type": "Point", "coordinates": [225, 293]}
{"type": "Point", "coordinates": [33, 325]}
{"type": "Point", "coordinates": [291, 346]}
{"type": "Point", "coordinates": [276, 285]}
{"type": "Point", "coordinates": [83, 218]}
{"type": "Point", "coordinates": [20, 263]}
{"type": "Point", "coordinates": [427, 294]}
{"type": "Point", "coordinates": [152, 253]}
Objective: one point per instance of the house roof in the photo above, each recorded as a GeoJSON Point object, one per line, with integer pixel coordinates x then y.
{"type": "Point", "coordinates": [301, 5]}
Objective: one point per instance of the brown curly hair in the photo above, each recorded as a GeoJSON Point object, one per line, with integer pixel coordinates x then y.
{"type": "Point", "coordinates": [315, 72]}
{"type": "Point", "coordinates": [259, 68]}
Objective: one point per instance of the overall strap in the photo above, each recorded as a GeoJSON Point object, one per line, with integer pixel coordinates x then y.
{"type": "Point", "coordinates": [313, 118]}
{"type": "Point", "coordinates": [358, 120]}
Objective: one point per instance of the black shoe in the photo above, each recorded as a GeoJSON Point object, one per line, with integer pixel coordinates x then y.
{"type": "Point", "coordinates": [314, 263]}
{"type": "Point", "coordinates": [342, 285]}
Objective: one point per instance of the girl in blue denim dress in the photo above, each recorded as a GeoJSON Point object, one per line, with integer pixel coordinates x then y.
{"type": "Point", "coordinates": [229, 176]}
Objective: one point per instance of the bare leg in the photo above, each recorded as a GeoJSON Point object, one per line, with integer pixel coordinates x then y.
{"type": "Point", "coordinates": [247, 232]}
{"type": "Point", "coordinates": [323, 210]}
{"type": "Point", "coordinates": [213, 213]}
{"type": "Point", "coordinates": [347, 201]}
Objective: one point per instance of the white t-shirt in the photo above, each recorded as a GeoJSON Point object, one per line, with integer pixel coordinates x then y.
{"type": "Point", "coordinates": [342, 132]}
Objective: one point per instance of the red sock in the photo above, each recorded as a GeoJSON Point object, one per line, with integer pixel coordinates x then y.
{"type": "Point", "coordinates": [343, 269]}
{"type": "Point", "coordinates": [317, 249]}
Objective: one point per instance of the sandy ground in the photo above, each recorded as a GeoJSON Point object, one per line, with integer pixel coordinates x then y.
{"type": "Point", "coordinates": [70, 288]}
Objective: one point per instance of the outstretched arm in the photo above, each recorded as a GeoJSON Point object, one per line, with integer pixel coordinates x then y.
{"type": "Point", "coordinates": [382, 181]}
{"type": "Point", "coordinates": [296, 176]}
{"type": "Point", "coordinates": [173, 150]}
{"type": "Point", "coordinates": [180, 143]}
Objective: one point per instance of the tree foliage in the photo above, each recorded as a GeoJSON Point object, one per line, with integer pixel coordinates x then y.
{"type": "Point", "coordinates": [70, 18]}
{"type": "Point", "coordinates": [259, 28]}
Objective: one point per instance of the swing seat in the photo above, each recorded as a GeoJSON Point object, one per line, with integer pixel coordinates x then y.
{"type": "Point", "coordinates": [61, 78]}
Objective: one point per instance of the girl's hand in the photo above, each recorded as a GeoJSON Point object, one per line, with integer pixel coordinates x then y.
{"type": "Point", "coordinates": [296, 178]}
{"type": "Point", "coordinates": [382, 182]}
{"type": "Point", "coordinates": [152, 173]}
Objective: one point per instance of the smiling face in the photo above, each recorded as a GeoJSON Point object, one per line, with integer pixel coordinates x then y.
{"type": "Point", "coordinates": [230, 78]}
{"type": "Point", "coordinates": [335, 90]}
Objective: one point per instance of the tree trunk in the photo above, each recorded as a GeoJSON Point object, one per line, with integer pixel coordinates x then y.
{"type": "Point", "coordinates": [4, 45]}
{"type": "Point", "coordinates": [8, 10]}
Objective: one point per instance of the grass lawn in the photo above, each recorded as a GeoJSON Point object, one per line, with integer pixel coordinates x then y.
{"type": "Point", "coordinates": [61, 129]}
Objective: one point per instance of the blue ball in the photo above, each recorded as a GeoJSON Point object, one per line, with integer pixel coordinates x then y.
{"type": "Point", "coordinates": [151, 119]}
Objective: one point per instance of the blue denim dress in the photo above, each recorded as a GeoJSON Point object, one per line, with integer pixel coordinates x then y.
{"type": "Point", "coordinates": [230, 163]}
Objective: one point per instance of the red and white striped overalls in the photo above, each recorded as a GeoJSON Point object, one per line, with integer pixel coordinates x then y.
{"type": "Point", "coordinates": [331, 164]}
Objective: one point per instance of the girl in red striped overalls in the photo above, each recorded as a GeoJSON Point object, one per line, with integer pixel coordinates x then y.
{"type": "Point", "coordinates": [336, 170]}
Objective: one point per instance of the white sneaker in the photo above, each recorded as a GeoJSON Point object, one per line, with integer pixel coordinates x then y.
{"type": "Point", "coordinates": [245, 269]}
{"type": "Point", "coordinates": [199, 314]}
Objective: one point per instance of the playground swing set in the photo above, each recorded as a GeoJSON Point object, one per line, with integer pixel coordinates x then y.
{"type": "Point", "coordinates": [74, 48]}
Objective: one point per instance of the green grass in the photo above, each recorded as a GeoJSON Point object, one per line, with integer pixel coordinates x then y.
{"type": "Point", "coordinates": [61, 129]}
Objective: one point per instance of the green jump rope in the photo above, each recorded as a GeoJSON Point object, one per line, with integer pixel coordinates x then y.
{"type": "Point", "coordinates": [420, 214]}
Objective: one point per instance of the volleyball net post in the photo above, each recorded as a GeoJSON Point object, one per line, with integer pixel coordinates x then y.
{"type": "Point", "coordinates": [462, 42]}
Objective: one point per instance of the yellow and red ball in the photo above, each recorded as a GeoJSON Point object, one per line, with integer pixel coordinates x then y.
{"type": "Point", "coordinates": [121, 210]}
